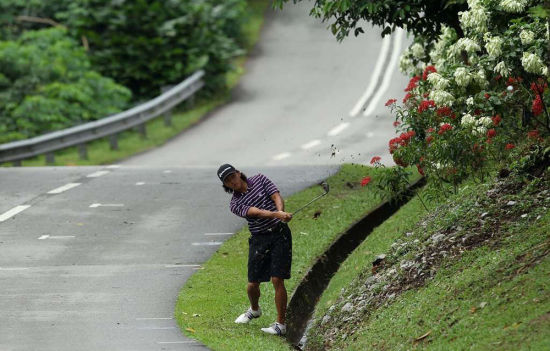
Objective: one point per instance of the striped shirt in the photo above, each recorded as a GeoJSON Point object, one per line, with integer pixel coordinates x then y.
{"type": "Point", "coordinates": [258, 194]}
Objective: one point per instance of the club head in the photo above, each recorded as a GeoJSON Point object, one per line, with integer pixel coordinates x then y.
{"type": "Point", "coordinates": [325, 187]}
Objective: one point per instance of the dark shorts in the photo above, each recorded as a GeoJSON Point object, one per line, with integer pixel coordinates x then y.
{"type": "Point", "coordinates": [270, 254]}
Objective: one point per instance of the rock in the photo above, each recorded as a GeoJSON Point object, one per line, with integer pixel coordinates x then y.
{"type": "Point", "coordinates": [409, 233]}
{"type": "Point", "coordinates": [325, 320]}
{"type": "Point", "coordinates": [347, 307]}
{"type": "Point", "coordinates": [511, 203]}
{"type": "Point", "coordinates": [484, 214]}
{"type": "Point", "coordinates": [524, 215]}
{"type": "Point", "coordinates": [437, 237]}
{"type": "Point", "coordinates": [483, 304]}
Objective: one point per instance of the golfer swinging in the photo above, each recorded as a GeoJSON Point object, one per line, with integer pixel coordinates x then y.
{"type": "Point", "coordinates": [270, 246]}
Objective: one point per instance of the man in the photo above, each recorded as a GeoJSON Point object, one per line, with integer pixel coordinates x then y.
{"type": "Point", "coordinates": [270, 246]}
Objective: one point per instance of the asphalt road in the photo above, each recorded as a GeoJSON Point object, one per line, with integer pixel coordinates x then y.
{"type": "Point", "coordinates": [98, 265]}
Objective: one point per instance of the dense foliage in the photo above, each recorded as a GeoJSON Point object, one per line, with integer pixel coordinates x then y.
{"type": "Point", "coordinates": [421, 17]}
{"type": "Point", "coordinates": [46, 83]}
{"type": "Point", "coordinates": [143, 45]}
{"type": "Point", "coordinates": [475, 101]}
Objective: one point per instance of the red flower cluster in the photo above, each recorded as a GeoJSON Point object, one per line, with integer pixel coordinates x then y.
{"type": "Point", "coordinates": [407, 97]}
{"type": "Point", "coordinates": [396, 123]}
{"type": "Point", "coordinates": [420, 170]}
{"type": "Point", "coordinates": [539, 87]}
{"type": "Point", "coordinates": [375, 159]}
{"type": "Point", "coordinates": [391, 102]}
{"type": "Point", "coordinates": [496, 120]}
{"type": "Point", "coordinates": [509, 146]}
{"type": "Point", "coordinates": [513, 81]}
{"type": "Point", "coordinates": [429, 139]}
{"type": "Point", "coordinates": [425, 104]}
{"type": "Point", "coordinates": [427, 71]}
{"type": "Point", "coordinates": [487, 96]}
{"type": "Point", "coordinates": [402, 140]}
{"type": "Point", "coordinates": [444, 127]}
{"type": "Point", "coordinates": [491, 133]}
{"type": "Point", "coordinates": [533, 134]}
{"type": "Point", "coordinates": [445, 112]}
{"type": "Point", "coordinates": [365, 181]}
{"type": "Point", "coordinates": [537, 105]}
{"type": "Point", "coordinates": [413, 83]}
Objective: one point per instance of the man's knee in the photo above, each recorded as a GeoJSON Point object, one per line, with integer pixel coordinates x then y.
{"type": "Point", "coordinates": [278, 282]}
{"type": "Point", "coordinates": [253, 285]}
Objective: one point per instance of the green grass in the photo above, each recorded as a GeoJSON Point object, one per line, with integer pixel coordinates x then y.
{"type": "Point", "coordinates": [131, 142]}
{"type": "Point", "coordinates": [493, 297]}
{"type": "Point", "coordinates": [217, 292]}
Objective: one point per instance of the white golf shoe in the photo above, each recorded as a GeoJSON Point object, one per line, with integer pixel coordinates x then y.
{"type": "Point", "coordinates": [249, 315]}
{"type": "Point", "coordinates": [275, 329]}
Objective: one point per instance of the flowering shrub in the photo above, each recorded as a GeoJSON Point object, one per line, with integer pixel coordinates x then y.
{"type": "Point", "coordinates": [472, 99]}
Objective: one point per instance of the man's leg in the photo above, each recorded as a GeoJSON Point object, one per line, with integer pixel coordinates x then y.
{"type": "Point", "coordinates": [280, 298]}
{"type": "Point", "coordinates": [253, 290]}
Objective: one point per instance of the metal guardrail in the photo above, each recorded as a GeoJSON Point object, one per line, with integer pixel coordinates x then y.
{"type": "Point", "coordinates": [108, 126]}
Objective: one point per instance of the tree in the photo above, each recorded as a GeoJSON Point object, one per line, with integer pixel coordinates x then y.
{"type": "Point", "coordinates": [421, 17]}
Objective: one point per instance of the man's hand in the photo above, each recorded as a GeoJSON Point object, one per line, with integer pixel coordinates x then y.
{"type": "Point", "coordinates": [283, 216]}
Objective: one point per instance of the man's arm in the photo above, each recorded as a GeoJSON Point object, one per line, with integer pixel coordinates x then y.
{"type": "Point", "coordinates": [256, 212]}
{"type": "Point", "coordinates": [279, 202]}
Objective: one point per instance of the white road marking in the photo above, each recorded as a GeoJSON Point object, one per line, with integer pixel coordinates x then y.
{"type": "Point", "coordinates": [167, 171]}
{"type": "Point", "coordinates": [97, 174]}
{"type": "Point", "coordinates": [218, 233]}
{"type": "Point", "coordinates": [43, 237]}
{"type": "Point", "coordinates": [375, 76]}
{"type": "Point", "coordinates": [13, 269]}
{"type": "Point", "coordinates": [389, 72]}
{"type": "Point", "coordinates": [311, 144]}
{"type": "Point", "coordinates": [338, 129]}
{"type": "Point", "coordinates": [113, 166]}
{"type": "Point", "coordinates": [181, 265]}
{"type": "Point", "coordinates": [281, 156]}
{"type": "Point", "coordinates": [106, 205]}
{"type": "Point", "coordinates": [140, 183]}
{"type": "Point", "coordinates": [63, 188]}
{"type": "Point", "coordinates": [13, 212]}
{"type": "Point", "coordinates": [210, 243]}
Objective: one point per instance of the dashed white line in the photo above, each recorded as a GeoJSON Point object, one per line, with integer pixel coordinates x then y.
{"type": "Point", "coordinates": [140, 183]}
{"type": "Point", "coordinates": [63, 188]}
{"type": "Point", "coordinates": [113, 166]}
{"type": "Point", "coordinates": [210, 243]}
{"type": "Point", "coordinates": [97, 174]}
{"type": "Point", "coordinates": [13, 268]}
{"type": "Point", "coordinates": [13, 212]}
{"type": "Point", "coordinates": [43, 237]}
{"type": "Point", "coordinates": [167, 171]}
{"type": "Point", "coordinates": [338, 129]}
{"type": "Point", "coordinates": [106, 205]}
{"type": "Point", "coordinates": [281, 156]}
{"type": "Point", "coordinates": [375, 76]}
{"type": "Point", "coordinates": [389, 72]}
{"type": "Point", "coordinates": [311, 144]}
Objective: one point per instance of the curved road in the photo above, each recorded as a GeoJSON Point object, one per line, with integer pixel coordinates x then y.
{"type": "Point", "coordinates": [93, 258]}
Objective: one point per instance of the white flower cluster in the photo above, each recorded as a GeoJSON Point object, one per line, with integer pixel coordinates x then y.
{"type": "Point", "coordinates": [467, 44]}
{"type": "Point", "coordinates": [532, 63]}
{"type": "Point", "coordinates": [437, 81]}
{"type": "Point", "coordinates": [406, 64]}
{"type": "Point", "coordinates": [470, 101]}
{"type": "Point", "coordinates": [479, 126]}
{"type": "Point", "coordinates": [476, 19]}
{"type": "Point", "coordinates": [513, 6]}
{"type": "Point", "coordinates": [502, 69]}
{"type": "Point", "coordinates": [462, 76]}
{"type": "Point", "coordinates": [417, 50]}
{"type": "Point", "coordinates": [480, 78]}
{"type": "Point", "coordinates": [442, 98]}
{"type": "Point", "coordinates": [527, 37]}
{"type": "Point", "coordinates": [494, 47]}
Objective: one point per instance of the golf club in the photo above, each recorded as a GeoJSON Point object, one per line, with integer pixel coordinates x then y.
{"type": "Point", "coordinates": [325, 187]}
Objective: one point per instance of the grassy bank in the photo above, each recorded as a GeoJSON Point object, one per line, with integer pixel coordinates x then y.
{"type": "Point", "coordinates": [472, 275]}
{"type": "Point", "coordinates": [214, 296]}
{"type": "Point", "coordinates": [131, 142]}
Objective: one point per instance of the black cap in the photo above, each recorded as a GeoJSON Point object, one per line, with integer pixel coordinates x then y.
{"type": "Point", "coordinates": [225, 170]}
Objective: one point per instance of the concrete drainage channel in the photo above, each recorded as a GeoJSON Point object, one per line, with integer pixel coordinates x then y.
{"type": "Point", "coordinates": [307, 294]}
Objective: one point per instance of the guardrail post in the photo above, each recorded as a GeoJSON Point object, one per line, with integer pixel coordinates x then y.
{"type": "Point", "coordinates": [142, 130]}
{"type": "Point", "coordinates": [82, 151]}
{"type": "Point", "coordinates": [168, 118]}
{"type": "Point", "coordinates": [113, 140]}
{"type": "Point", "coordinates": [50, 158]}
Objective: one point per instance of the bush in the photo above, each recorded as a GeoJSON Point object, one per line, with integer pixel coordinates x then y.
{"type": "Point", "coordinates": [472, 101]}
{"type": "Point", "coordinates": [46, 84]}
